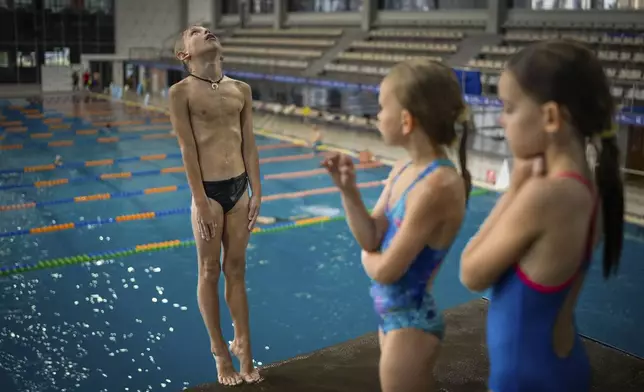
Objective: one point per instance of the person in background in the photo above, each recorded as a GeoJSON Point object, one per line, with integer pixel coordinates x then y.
{"type": "Point", "coordinates": [366, 156]}
{"type": "Point", "coordinates": [86, 77]}
{"type": "Point", "coordinates": [316, 138]}
{"type": "Point", "coordinates": [75, 80]}
{"type": "Point", "coordinates": [95, 83]}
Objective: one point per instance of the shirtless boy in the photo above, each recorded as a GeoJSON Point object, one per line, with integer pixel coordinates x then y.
{"type": "Point", "coordinates": [316, 138]}
{"type": "Point", "coordinates": [212, 117]}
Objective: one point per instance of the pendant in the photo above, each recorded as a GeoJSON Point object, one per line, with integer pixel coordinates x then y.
{"type": "Point", "coordinates": [214, 86]}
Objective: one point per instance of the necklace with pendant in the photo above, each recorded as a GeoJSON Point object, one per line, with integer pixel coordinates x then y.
{"type": "Point", "coordinates": [214, 84]}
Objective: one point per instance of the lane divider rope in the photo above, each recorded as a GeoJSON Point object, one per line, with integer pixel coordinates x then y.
{"type": "Point", "coordinates": [121, 219]}
{"type": "Point", "coordinates": [166, 189]}
{"type": "Point", "coordinates": [130, 175]}
{"type": "Point", "coordinates": [100, 140]}
{"type": "Point", "coordinates": [152, 125]}
{"type": "Point", "coordinates": [79, 224]}
{"type": "Point", "coordinates": [151, 130]}
{"type": "Point", "coordinates": [20, 268]}
{"type": "Point", "coordinates": [100, 178]}
{"type": "Point", "coordinates": [95, 197]}
{"type": "Point", "coordinates": [309, 173]}
{"type": "Point", "coordinates": [112, 161]}
{"type": "Point", "coordinates": [92, 163]}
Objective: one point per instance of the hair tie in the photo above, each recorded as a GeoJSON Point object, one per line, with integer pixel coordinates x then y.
{"type": "Point", "coordinates": [464, 116]}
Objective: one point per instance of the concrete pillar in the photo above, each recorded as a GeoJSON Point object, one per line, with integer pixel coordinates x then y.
{"type": "Point", "coordinates": [117, 73]}
{"type": "Point", "coordinates": [368, 15]}
{"type": "Point", "coordinates": [183, 14]}
{"type": "Point", "coordinates": [142, 74]}
{"type": "Point", "coordinates": [497, 11]}
{"type": "Point", "coordinates": [215, 14]}
{"type": "Point", "coordinates": [279, 14]}
{"type": "Point", "coordinates": [163, 80]}
{"type": "Point", "coordinates": [244, 12]}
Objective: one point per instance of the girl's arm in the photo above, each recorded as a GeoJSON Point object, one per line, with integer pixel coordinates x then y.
{"type": "Point", "coordinates": [426, 211]}
{"type": "Point", "coordinates": [499, 209]}
{"type": "Point", "coordinates": [507, 234]}
{"type": "Point", "coordinates": [368, 229]}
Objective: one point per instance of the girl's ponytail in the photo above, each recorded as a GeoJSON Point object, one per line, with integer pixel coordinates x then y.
{"type": "Point", "coordinates": [611, 190]}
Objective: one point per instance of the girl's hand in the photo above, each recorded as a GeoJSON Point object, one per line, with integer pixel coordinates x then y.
{"type": "Point", "coordinates": [523, 169]}
{"type": "Point", "coordinates": [341, 169]}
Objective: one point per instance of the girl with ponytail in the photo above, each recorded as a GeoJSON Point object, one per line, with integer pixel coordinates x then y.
{"type": "Point", "coordinates": [534, 249]}
{"type": "Point", "coordinates": [410, 230]}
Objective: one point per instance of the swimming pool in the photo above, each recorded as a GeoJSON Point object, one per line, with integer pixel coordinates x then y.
{"type": "Point", "coordinates": [132, 323]}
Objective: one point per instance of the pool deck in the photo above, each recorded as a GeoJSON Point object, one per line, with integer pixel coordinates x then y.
{"type": "Point", "coordinates": [462, 366]}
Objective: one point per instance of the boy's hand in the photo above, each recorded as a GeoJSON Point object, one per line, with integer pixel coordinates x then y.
{"type": "Point", "coordinates": [253, 211]}
{"type": "Point", "coordinates": [206, 221]}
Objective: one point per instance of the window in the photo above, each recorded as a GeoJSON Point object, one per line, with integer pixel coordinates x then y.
{"type": "Point", "coordinates": [129, 71]}
{"type": "Point", "coordinates": [26, 60]}
{"type": "Point", "coordinates": [409, 5]}
{"type": "Point", "coordinates": [4, 59]}
{"type": "Point", "coordinates": [230, 7]}
{"type": "Point", "coordinates": [77, 5]}
{"type": "Point", "coordinates": [261, 6]}
{"type": "Point", "coordinates": [22, 3]}
{"type": "Point", "coordinates": [620, 4]}
{"type": "Point", "coordinates": [560, 4]}
{"type": "Point", "coordinates": [57, 57]}
{"type": "Point", "coordinates": [56, 5]}
{"type": "Point", "coordinates": [324, 5]}
{"type": "Point", "coordinates": [577, 4]}
{"type": "Point", "coordinates": [104, 6]}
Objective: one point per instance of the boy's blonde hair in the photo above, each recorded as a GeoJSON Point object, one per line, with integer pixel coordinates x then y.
{"type": "Point", "coordinates": [179, 43]}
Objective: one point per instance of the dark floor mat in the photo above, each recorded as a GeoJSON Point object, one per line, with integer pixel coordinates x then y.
{"type": "Point", "coordinates": [352, 366]}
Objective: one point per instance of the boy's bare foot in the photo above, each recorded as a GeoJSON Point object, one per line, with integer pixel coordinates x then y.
{"type": "Point", "coordinates": [226, 374]}
{"type": "Point", "coordinates": [248, 372]}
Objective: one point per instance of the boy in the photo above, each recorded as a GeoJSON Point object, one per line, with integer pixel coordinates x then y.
{"type": "Point", "coordinates": [212, 117]}
{"type": "Point", "coordinates": [316, 138]}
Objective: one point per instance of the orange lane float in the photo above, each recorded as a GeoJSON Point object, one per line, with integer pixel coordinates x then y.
{"type": "Point", "coordinates": [315, 172]}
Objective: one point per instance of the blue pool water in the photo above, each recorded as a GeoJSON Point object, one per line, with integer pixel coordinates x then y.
{"type": "Point", "coordinates": [133, 323]}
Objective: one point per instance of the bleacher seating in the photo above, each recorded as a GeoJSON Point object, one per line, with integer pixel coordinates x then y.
{"type": "Point", "coordinates": [278, 48]}
{"type": "Point", "coordinates": [314, 115]}
{"type": "Point", "coordinates": [293, 50]}
{"type": "Point", "coordinates": [619, 47]}
{"type": "Point", "coordinates": [383, 48]}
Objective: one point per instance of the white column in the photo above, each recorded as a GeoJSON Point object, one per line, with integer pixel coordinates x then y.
{"type": "Point", "coordinates": [215, 11]}
{"type": "Point", "coordinates": [279, 14]}
{"type": "Point", "coordinates": [117, 73]}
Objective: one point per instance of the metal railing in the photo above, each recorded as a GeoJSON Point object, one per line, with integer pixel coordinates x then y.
{"type": "Point", "coordinates": [145, 53]}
